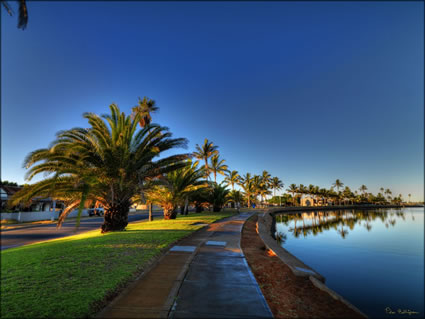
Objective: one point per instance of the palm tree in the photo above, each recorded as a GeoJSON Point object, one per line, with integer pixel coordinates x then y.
{"type": "Point", "coordinates": [257, 186]}
{"type": "Point", "coordinates": [103, 164]}
{"type": "Point", "coordinates": [236, 197]}
{"type": "Point", "coordinates": [266, 178]}
{"type": "Point", "coordinates": [292, 189]}
{"type": "Point", "coordinates": [23, 13]}
{"type": "Point", "coordinates": [144, 109]}
{"type": "Point", "coordinates": [218, 166]}
{"type": "Point", "coordinates": [204, 153]}
{"type": "Point", "coordinates": [363, 189]}
{"type": "Point", "coordinates": [263, 192]}
{"type": "Point", "coordinates": [382, 190]}
{"type": "Point", "coordinates": [409, 196]}
{"type": "Point", "coordinates": [276, 184]}
{"type": "Point", "coordinates": [219, 196]}
{"type": "Point", "coordinates": [175, 187]}
{"type": "Point", "coordinates": [388, 191]}
{"type": "Point", "coordinates": [247, 185]}
{"type": "Point", "coordinates": [232, 178]}
{"type": "Point", "coordinates": [338, 184]}
{"type": "Point", "coordinates": [301, 189]}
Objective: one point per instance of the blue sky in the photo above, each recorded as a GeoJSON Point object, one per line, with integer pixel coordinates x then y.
{"type": "Point", "coordinates": [310, 92]}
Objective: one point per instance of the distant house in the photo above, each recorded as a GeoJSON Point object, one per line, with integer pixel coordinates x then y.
{"type": "Point", "coordinates": [308, 201]}
{"type": "Point", "coordinates": [6, 192]}
{"type": "Point", "coordinates": [38, 204]}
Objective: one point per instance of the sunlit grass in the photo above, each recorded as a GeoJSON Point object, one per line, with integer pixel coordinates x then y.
{"type": "Point", "coordinates": [70, 277]}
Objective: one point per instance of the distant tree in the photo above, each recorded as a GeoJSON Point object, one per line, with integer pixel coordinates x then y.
{"type": "Point", "coordinates": [247, 185]}
{"type": "Point", "coordinates": [204, 152]}
{"type": "Point", "coordinates": [232, 178]}
{"type": "Point", "coordinates": [145, 107]}
{"type": "Point", "coordinates": [292, 189]}
{"type": "Point", "coordinates": [388, 193]}
{"type": "Point", "coordinates": [363, 189]}
{"type": "Point", "coordinates": [276, 184]}
{"type": "Point", "coordinates": [7, 183]}
{"type": "Point", "coordinates": [338, 184]}
{"type": "Point", "coordinates": [218, 166]}
{"type": "Point", "coordinates": [279, 200]}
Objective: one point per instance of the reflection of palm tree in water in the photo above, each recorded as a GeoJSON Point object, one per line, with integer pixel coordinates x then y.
{"type": "Point", "coordinates": [343, 232]}
{"type": "Point", "coordinates": [368, 226]}
{"type": "Point", "coordinates": [334, 219]}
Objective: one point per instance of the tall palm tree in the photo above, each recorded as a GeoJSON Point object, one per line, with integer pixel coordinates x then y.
{"type": "Point", "coordinates": [247, 185]}
{"type": "Point", "coordinates": [102, 164]}
{"type": "Point", "coordinates": [204, 152]}
{"type": "Point", "coordinates": [293, 189]}
{"type": "Point", "coordinates": [263, 192]}
{"type": "Point", "coordinates": [301, 189]}
{"type": "Point", "coordinates": [175, 187]}
{"type": "Point", "coordinates": [23, 13]}
{"type": "Point", "coordinates": [363, 189]}
{"type": "Point", "coordinates": [145, 107]}
{"type": "Point", "coordinates": [409, 196]}
{"type": "Point", "coordinates": [276, 184]}
{"type": "Point", "coordinates": [338, 184]}
{"type": "Point", "coordinates": [389, 193]}
{"type": "Point", "coordinates": [218, 166]}
{"type": "Point", "coordinates": [257, 185]}
{"type": "Point", "coordinates": [232, 178]}
{"type": "Point", "coordinates": [266, 179]}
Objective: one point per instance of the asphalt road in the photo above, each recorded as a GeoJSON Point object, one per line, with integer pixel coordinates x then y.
{"type": "Point", "coordinates": [35, 233]}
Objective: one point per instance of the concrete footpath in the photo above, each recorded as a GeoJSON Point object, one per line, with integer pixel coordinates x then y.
{"type": "Point", "coordinates": [204, 276]}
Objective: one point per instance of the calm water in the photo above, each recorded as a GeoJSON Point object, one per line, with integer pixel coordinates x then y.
{"type": "Point", "coordinates": [373, 258]}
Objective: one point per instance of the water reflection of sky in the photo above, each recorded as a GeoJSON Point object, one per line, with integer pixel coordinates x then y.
{"type": "Point", "coordinates": [375, 259]}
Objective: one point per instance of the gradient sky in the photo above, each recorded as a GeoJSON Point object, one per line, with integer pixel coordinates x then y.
{"type": "Point", "coordinates": [310, 92]}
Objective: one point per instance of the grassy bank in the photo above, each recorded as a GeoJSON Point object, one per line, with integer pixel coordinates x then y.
{"type": "Point", "coordinates": [70, 277]}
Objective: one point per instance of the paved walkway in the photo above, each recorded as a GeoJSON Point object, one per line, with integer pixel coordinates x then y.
{"type": "Point", "coordinates": [204, 276]}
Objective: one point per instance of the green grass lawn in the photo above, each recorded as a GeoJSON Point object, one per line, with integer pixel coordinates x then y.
{"type": "Point", "coordinates": [72, 276]}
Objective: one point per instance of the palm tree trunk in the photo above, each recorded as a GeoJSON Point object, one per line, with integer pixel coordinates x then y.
{"type": "Point", "coordinates": [170, 212]}
{"type": "Point", "coordinates": [150, 212]}
{"type": "Point", "coordinates": [186, 206]}
{"type": "Point", "coordinates": [115, 218]}
{"type": "Point", "coordinates": [206, 168]}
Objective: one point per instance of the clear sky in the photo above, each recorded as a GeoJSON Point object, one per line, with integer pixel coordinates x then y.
{"type": "Point", "coordinates": [310, 92]}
